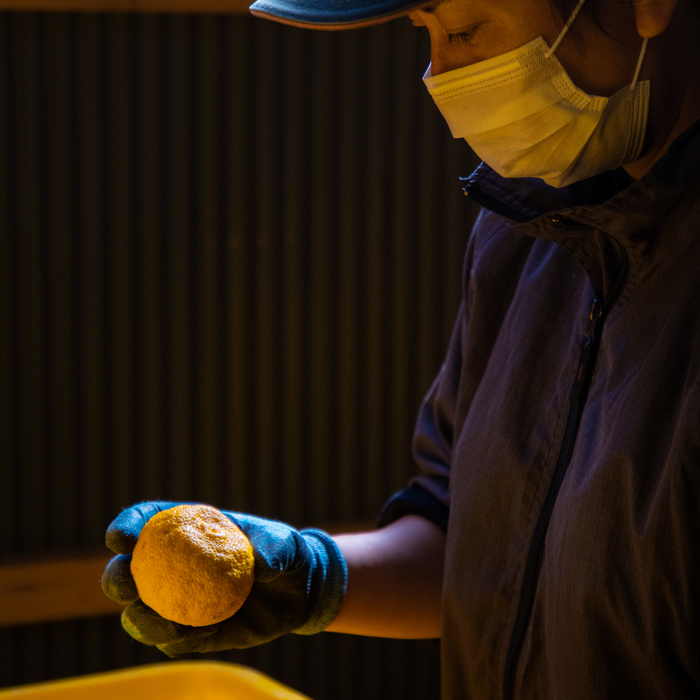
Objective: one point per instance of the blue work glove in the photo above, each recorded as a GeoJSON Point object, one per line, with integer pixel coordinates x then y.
{"type": "Point", "coordinates": [300, 580]}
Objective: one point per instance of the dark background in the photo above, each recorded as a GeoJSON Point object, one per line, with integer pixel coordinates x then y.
{"type": "Point", "coordinates": [230, 259]}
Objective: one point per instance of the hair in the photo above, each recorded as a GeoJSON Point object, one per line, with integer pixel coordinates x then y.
{"type": "Point", "coordinates": [591, 9]}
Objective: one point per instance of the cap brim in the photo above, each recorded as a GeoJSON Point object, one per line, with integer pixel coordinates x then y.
{"type": "Point", "coordinates": [333, 14]}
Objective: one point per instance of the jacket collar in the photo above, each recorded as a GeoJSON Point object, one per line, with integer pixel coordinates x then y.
{"type": "Point", "coordinates": [600, 200]}
{"type": "Point", "coordinates": [529, 198]}
{"type": "Point", "coordinates": [607, 221]}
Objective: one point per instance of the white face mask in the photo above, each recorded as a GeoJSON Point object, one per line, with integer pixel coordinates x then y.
{"type": "Point", "coordinates": [521, 113]}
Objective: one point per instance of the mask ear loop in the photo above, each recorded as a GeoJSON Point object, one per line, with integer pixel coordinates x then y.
{"type": "Point", "coordinates": [639, 62]}
{"type": "Point", "coordinates": [570, 21]}
{"type": "Point", "coordinates": [566, 29]}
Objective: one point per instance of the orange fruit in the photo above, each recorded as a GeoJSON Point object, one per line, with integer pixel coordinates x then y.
{"type": "Point", "coordinates": [192, 565]}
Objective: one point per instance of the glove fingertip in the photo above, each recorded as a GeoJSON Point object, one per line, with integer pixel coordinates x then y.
{"type": "Point", "coordinates": [193, 640]}
{"type": "Point", "coordinates": [125, 529]}
{"type": "Point", "coordinates": [165, 648]}
{"type": "Point", "coordinates": [131, 628]}
{"type": "Point", "coordinates": [117, 582]}
{"type": "Point", "coordinates": [120, 542]}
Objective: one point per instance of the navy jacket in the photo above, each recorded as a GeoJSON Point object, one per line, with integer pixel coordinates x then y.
{"type": "Point", "coordinates": [560, 444]}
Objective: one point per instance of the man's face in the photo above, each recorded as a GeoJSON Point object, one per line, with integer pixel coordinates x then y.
{"type": "Point", "coordinates": [463, 32]}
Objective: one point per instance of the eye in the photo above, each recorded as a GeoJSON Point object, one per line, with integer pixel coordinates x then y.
{"type": "Point", "coordinates": [459, 38]}
{"type": "Point", "coordinates": [462, 37]}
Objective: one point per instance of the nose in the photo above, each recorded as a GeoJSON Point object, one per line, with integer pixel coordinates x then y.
{"type": "Point", "coordinates": [437, 62]}
{"type": "Point", "coordinates": [438, 39]}
{"type": "Point", "coordinates": [444, 56]}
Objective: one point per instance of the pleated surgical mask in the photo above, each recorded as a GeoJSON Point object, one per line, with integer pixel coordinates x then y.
{"type": "Point", "coordinates": [522, 115]}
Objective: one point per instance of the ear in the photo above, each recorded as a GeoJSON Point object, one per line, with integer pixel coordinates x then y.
{"type": "Point", "coordinates": [653, 16]}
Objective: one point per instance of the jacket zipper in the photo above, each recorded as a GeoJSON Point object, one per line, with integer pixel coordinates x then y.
{"type": "Point", "coordinates": [578, 396]}
{"type": "Point", "coordinates": [579, 393]}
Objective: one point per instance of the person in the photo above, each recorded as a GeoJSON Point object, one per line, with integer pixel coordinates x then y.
{"type": "Point", "coordinates": [550, 536]}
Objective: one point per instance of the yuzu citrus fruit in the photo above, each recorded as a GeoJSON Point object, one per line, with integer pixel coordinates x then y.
{"type": "Point", "coordinates": [192, 565]}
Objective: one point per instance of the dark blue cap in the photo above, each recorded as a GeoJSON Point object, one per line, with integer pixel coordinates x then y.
{"type": "Point", "coordinates": [332, 14]}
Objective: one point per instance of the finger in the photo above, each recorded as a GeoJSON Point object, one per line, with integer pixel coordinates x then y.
{"type": "Point", "coordinates": [275, 544]}
{"type": "Point", "coordinates": [267, 614]}
{"type": "Point", "coordinates": [148, 627]}
{"type": "Point", "coordinates": [200, 643]}
{"type": "Point", "coordinates": [170, 650]}
{"type": "Point", "coordinates": [653, 16]}
{"type": "Point", "coordinates": [117, 581]}
{"type": "Point", "coordinates": [125, 528]}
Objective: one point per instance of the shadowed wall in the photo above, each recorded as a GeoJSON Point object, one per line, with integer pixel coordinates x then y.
{"type": "Point", "coordinates": [230, 258]}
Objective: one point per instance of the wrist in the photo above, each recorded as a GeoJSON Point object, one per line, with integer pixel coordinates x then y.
{"type": "Point", "coordinates": [327, 581]}
{"type": "Point", "coordinates": [395, 581]}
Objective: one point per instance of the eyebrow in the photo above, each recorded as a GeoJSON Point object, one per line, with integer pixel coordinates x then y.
{"type": "Point", "coordinates": [432, 7]}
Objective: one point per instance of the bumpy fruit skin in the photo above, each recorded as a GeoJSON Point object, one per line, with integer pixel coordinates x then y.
{"type": "Point", "coordinates": [192, 565]}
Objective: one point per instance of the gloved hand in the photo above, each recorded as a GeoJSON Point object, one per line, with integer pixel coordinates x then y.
{"type": "Point", "coordinates": [300, 580]}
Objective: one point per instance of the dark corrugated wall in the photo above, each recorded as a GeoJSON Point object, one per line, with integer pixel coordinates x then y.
{"type": "Point", "coordinates": [229, 265]}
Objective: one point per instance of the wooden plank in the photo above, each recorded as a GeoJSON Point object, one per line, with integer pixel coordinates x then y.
{"type": "Point", "coordinates": [235, 7]}
{"type": "Point", "coordinates": [66, 588]}
{"type": "Point", "coordinates": [54, 589]}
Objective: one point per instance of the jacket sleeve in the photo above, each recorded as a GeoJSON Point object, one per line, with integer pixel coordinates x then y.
{"type": "Point", "coordinates": [428, 494]}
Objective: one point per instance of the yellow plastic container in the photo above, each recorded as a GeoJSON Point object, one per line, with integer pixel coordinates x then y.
{"type": "Point", "coordinates": [178, 680]}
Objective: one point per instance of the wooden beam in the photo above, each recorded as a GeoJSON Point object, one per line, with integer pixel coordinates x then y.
{"type": "Point", "coordinates": [66, 588]}
{"type": "Point", "coordinates": [54, 589]}
{"type": "Point", "coordinates": [229, 7]}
